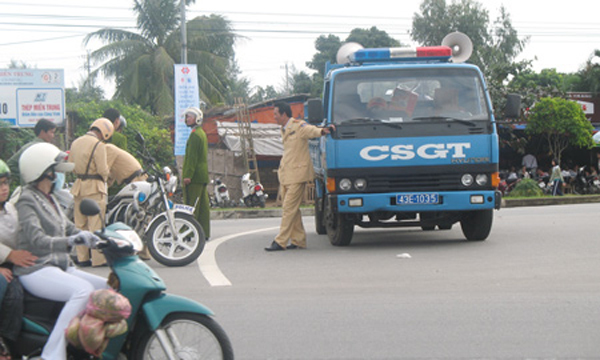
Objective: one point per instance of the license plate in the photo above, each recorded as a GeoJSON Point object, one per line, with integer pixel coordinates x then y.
{"type": "Point", "coordinates": [259, 193]}
{"type": "Point", "coordinates": [419, 198]}
{"type": "Point", "coordinates": [182, 207]}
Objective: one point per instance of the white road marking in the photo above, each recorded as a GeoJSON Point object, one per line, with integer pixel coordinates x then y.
{"type": "Point", "coordinates": [207, 262]}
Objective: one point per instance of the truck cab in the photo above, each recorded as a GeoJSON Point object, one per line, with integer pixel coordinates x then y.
{"type": "Point", "coordinates": [415, 145]}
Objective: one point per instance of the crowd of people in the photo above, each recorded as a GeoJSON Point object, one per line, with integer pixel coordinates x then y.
{"type": "Point", "coordinates": [555, 179]}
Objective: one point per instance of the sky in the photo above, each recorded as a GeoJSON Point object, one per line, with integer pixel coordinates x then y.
{"type": "Point", "coordinates": [277, 37]}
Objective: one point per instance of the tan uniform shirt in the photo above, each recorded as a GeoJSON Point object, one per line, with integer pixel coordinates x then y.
{"type": "Point", "coordinates": [122, 165]}
{"type": "Point", "coordinates": [296, 165]}
{"type": "Point", "coordinates": [80, 153]}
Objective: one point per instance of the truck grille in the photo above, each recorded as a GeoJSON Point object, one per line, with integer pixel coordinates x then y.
{"type": "Point", "coordinates": [424, 182]}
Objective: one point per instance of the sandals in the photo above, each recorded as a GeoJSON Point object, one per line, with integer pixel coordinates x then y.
{"type": "Point", "coordinates": [4, 351]}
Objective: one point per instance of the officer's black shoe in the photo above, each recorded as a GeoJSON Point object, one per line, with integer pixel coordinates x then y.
{"type": "Point", "coordinates": [274, 247]}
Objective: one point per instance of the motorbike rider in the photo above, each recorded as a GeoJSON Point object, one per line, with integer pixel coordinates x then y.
{"type": "Point", "coordinates": [46, 232]}
{"type": "Point", "coordinates": [88, 152]}
{"type": "Point", "coordinates": [11, 307]}
{"type": "Point", "coordinates": [195, 169]}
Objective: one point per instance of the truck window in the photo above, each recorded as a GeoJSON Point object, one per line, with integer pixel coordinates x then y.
{"type": "Point", "coordinates": [410, 96]}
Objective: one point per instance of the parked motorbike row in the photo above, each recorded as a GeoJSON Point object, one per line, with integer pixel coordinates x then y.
{"type": "Point", "coordinates": [253, 194]}
{"type": "Point", "coordinates": [161, 325]}
{"type": "Point", "coordinates": [582, 182]}
{"type": "Point", "coordinates": [586, 182]}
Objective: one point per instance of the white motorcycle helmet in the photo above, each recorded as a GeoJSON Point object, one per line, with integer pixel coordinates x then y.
{"type": "Point", "coordinates": [39, 158]}
{"type": "Point", "coordinates": [196, 112]}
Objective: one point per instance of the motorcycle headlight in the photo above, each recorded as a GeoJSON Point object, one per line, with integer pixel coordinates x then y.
{"type": "Point", "coordinates": [130, 238]}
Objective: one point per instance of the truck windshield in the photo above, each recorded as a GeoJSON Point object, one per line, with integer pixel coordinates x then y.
{"type": "Point", "coordinates": [411, 96]}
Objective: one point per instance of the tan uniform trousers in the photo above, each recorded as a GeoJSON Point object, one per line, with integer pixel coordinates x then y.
{"type": "Point", "coordinates": [92, 224]}
{"type": "Point", "coordinates": [291, 227]}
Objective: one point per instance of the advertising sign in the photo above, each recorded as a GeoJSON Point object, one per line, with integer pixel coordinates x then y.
{"type": "Point", "coordinates": [186, 95]}
{"type": "Point", "coordinates": [27, 95]}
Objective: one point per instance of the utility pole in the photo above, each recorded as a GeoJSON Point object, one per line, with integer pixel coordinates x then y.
{"type": "Point", "coordinates": [183, 34]}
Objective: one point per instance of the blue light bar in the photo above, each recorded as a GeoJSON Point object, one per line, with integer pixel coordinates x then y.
{"type": "Point", "coordinates": [364, 55]}
{"type": "Point", "coordinates": [383, 54]}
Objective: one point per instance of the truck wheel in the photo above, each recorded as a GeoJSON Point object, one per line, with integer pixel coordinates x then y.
{"type": "Point", "coordinates": [319, 221]}
{"type": "Point", "coordinates": [339, 228]}
{"type": "Point", "coordinates": [476, 225]}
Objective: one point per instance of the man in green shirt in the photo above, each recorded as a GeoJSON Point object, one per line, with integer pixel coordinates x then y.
{"type": "Point", "coordinates": [44, 131]}
{"type": "Point", "coordinates": [195, 169]}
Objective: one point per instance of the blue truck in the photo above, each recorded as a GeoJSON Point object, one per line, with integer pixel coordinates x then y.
{"type": "Point", "coordinates": [415, 144]}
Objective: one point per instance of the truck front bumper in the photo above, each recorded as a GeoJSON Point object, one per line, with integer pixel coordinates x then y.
{"type": "Point", "coordinates": [447, 201]}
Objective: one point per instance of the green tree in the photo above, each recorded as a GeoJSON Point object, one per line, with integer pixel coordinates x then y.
{"type": "Point", "coordinates": [328, 46]}
{"type": "Point", "coordinates": [301, 83]}
{"type": "Point", "coordinates": [372, 38]}
{"type": "Point", "coordinates": [158, 139]}
{"type": "Point", "coordinates": [533, 86]}
{"type": "Point", "coordinates": [142, 62]}
{"type": "Point", "coordinates": [495, 45]}
{"type": "Point", "coordinates": [589, 75]}
{"type": "Point", "coordinates": [260, 94]}
{"type": "Point", "coordinates": [561, 123]}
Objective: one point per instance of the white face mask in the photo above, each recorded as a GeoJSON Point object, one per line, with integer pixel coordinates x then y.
{"type": "Point", "coordinates": [59, 181]}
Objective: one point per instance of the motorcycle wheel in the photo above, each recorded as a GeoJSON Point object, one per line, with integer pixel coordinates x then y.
{"type": "Point", "coordinates": [191, 336]}
{"type": "Point", "coordinates": [179, 251]}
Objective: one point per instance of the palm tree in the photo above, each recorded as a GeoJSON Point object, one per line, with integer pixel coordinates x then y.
{"type": "Point", "coordinates": [142, 62]}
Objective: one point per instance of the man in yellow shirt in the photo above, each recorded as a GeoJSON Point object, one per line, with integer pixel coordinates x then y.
{"type": "Point", "coordinates": [295, 170]}
{"type": "Point", "coordinates": [88, 152]}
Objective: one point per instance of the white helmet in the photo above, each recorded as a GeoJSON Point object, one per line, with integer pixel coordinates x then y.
{"type": "Point", "coordinates": [37, 159]}
{"type": "Point", "coordinates": [196, 112]}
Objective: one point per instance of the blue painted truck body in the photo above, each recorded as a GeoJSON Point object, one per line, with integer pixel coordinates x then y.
{"type": "Point", "coordinates": [415, 144]}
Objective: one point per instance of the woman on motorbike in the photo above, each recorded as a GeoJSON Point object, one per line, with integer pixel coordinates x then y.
{"type": "Point", "coordinates": [47, 233]}
{"type": "Point", "coordinates": [11, 310]}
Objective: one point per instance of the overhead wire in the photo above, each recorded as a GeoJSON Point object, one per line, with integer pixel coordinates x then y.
{"type": "Point", "coordinates": [294, 28]}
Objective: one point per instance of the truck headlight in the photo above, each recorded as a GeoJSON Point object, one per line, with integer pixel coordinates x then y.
{"type": "Point", "coordinates": [467, 180]}
{"type": "Point", "coordinates": [345, 184]}
{"type": "Point", "coordinates": [481, 179]}
{"type": "Point", "coordinates": [360, 184]}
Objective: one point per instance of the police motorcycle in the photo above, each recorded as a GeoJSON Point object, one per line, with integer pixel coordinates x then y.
{"type": "Point", "coordinates": [253, 193]}
{"type": "Point", "coordinates": [173, 235]}
{"type": "Point", "coordinates": [161, 325]}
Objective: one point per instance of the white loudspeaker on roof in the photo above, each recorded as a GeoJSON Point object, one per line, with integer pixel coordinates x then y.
{"type": "Point", "coordinates": [349, 48]}
{"type": "Point", "coordinates": [461, 46]}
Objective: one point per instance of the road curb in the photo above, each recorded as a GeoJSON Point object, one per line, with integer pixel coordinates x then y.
{"type": "Point", "coordinates": [309, 211]}
{"type": "Point", "coordinates": [555, 200]}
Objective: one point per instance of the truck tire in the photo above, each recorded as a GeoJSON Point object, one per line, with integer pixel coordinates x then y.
{"type": "Point", "coordinates": [339, 228]}
{"type": "Point", "coordinates": [319, 221]}
{"type": "Point", "coordinates": [476, 225]}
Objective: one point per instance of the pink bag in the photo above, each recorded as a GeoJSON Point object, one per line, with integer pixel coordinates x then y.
{"type": "Point", "coordinates": [108, 305]}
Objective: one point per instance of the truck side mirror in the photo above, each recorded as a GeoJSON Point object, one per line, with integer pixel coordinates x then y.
{"type": "Point", "coordinates": [512, 110]}
{"type": "Point", "coordinates": [313, 109]}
